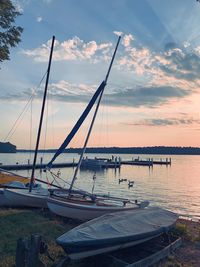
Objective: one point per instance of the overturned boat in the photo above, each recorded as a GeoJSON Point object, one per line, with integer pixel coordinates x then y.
{"type": "Point", "coordinates": [116, 231]}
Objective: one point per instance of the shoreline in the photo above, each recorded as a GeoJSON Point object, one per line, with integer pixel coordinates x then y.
{"type": "Point", "coordinates": [50, 226]}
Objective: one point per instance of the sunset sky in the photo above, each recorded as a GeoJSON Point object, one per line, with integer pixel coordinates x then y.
{"type": "Point", "coordinates": [152, 97]}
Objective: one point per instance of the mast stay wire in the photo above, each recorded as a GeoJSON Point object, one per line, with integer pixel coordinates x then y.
{"type": "Point", "coordinates": [46, 123]}
{"type": "Point", "coordinates": [21, 115]}
{"type": "Point", "coordinates": [31, 128]}
{"type": "Point", "coordinates": [49, 109]}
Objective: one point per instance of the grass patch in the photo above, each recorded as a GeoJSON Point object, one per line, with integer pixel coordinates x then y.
{"type": "Point", "coordinates": [22, 223]}
{"type": "Point", "coordinates": [181, 229]}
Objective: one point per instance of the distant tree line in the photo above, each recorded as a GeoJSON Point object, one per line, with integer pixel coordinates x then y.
{"type": "Point", "coordinates": [7, 148]}
{"type": "Point", "coordinates": [162, 150]}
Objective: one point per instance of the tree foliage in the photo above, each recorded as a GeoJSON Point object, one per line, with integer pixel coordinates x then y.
{"type": "Point", "coordinates": [9, 33]}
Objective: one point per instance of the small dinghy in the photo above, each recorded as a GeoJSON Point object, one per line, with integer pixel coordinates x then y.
{"type": "Point", "coordinates": [116, 231]}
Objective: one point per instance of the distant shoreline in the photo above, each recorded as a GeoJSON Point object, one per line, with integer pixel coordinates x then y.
{"type": "Point", "coordinates": [160, 150]}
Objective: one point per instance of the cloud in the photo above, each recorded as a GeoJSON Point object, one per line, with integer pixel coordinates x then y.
{"type": "Point", "coordinates": [182, 64]}
{"type": "Point", "coordinates": [166, 122]}
{"type": "Point", "coordinates": [39, 19]}
{"type": "Point", "coordinates": [136, 59]}
{"type": "Point", "coordinates": [176, 63]}
{"type": "Point", "coordinates": [71, 49]}
{"type": "Point", "coordinates": [130, 97]}
{"type": "Point", "coordinates": [20, 4]}
{"type": "Point", "coordinates": [172, 73]}
{"type": "Point", "coordinates": [146, 96]}
{"type": "Point", "coordinates": [126, 41]}
{"type": "Point", "coordinates": [118, 33]}
{"type": "Point", "coordinates": [47, 1]}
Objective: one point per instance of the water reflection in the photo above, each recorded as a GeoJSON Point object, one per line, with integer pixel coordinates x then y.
{"type": "Point", "coordinates": [176, 187]}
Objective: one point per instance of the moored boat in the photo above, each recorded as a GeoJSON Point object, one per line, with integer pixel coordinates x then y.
{"type": "Point", "coordinates": [116, 231]}
{"type": "Point", "coordinates": [33, 197]}
{"type": "Point", "coordinates": [23, 198]}
{"type": "Point", "coordinates": [85, 208]}
{"type": "Point", "coordinates": [88, 205]}
{"type": "Point", "coordinates": [95, 163]}
{"type": "Point", "coordinates": [4, 201]}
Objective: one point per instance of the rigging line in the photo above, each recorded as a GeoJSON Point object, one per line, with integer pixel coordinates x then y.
{"type": "Point", "coordinates": [94, 116]}
{"type": "Point", "coordinates": [65, 182]}
{"type": "Point", "coordinates": [51, 108]}
{"type": "Point", "coordinates": [16, 121]}
{"type": "Point", "coordinates": [31, 128]}
{"type": "Point", "coordinates": [86, 140]}
{"type": "Point", "coordinates": [49, 97]}
{"type": "Point", "coordinates": [106, 104]}
{"type": "Point", "coordinates": [13, 128]}
{"type": "Point", "coordinates": [46, 124]}
{"type": "Point", "coordinates": [55, 175]}
{"type": "Point", "coordinates": [41, 114]}
{"type": "Point", "coordinates": [54, 179]}
{"type": "Point", "coordinates": [102, 125]}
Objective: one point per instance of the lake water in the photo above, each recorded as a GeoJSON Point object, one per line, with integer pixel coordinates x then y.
{"type": "Point", "coordinates": [175, 187]}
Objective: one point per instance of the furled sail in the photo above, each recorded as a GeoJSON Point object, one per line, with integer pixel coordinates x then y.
{"type": "Point", "coordinates": [78, 123]}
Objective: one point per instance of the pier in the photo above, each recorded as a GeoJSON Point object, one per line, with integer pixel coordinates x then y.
{"type": "Point", "coordinates": [38, 166]}
{"type": "Point", "coordinates": [116, 163]}
{"type": "Point", "coordinates": [147, 162]}
{"type": "Point", "coordinates": [139, 163]}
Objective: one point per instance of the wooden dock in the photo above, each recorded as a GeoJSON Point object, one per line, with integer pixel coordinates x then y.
{"type": "Point", "coordinates": [139, 163]}
{"type": "Point", "coordinates": [114, 164]}
{"type": "Point", "coordinates": [38, 166]}
{"type": "Point", "coordinates": [147, 162]}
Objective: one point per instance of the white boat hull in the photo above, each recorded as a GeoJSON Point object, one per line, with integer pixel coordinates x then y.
{"type": "Point", "coordinates": [83, 212]}
{"type": "Point", "coordinates": [24, 198]}
{"type": "Point", "coordinates": [4, 202]}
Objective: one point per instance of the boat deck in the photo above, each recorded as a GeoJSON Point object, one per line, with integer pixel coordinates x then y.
{"type": "Point", "coordinates": [87, 201]}
{"type": "Point", "coordinates": [7, 178]}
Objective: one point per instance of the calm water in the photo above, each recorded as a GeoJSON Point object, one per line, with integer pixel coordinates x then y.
{"type": "Point", "coordinates": [176, 187]}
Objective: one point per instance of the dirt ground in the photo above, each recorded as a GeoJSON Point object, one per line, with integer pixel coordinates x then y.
{"type": "Point", "coordinates": [188, 255]}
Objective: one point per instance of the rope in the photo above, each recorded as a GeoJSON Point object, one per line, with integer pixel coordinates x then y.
{"type": "Point", "coordinates": [46, 124]}
{"type": "Point", "coordinates": [58, 177]}
{"type": "Point", "coordinates": [14, 127]}
{"type": "Point", "coordinates": [31, 129]}
{"type": "Point", "coordinates": [20, 117]}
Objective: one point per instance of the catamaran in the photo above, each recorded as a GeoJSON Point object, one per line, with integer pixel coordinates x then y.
{"type": "Point", "coordinates": [78, 204]}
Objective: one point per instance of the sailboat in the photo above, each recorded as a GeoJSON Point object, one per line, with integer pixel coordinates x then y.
{"type": "Point", "coordinates": [32, 196]}
{"type": "Point", "coordinates": [78, 204]}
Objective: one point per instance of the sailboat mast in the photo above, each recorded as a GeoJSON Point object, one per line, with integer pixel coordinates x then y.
{"type": "Point", "coordinates": [113, 57]}
{"type": "Point", "coordinates": [41, 115]}
{"type": "Point", "coordinates": [93, 119]}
